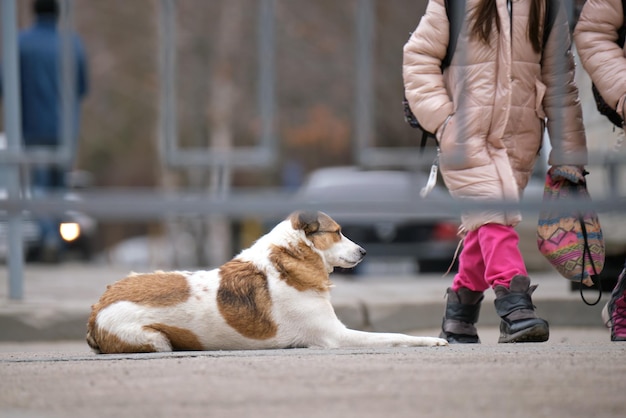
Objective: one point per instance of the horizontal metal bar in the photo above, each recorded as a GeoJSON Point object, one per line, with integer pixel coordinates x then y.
{"type": "Point", "coordinates": [236, 157]}
{"type": "Point", "coordinates": [412, 157]}
{"type": "Point", "coordinates": [395, 157]}
{"type": "Point", "coordinates": [36, 156]}
{"type": "Point", "coordinates": [138, 205]}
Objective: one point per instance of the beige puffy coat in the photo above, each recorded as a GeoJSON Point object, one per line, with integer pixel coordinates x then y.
{"type": "Point", "coordinates": [500, 96]}
{"type": "Point", "coordinates": [605, 62]}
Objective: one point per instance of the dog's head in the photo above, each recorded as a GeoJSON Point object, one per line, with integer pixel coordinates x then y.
{"type": "Point", "coordinates": [324, 234]}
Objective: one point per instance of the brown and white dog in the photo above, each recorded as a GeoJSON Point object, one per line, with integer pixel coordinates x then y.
{"type": "Point", "coordinates": [274, 294]}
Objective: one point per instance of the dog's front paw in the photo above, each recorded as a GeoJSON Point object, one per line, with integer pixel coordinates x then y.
{"type": "Point", "coordinates": [435, 342]}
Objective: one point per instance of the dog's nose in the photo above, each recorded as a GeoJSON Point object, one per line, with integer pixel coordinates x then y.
{"type": "Point", "coordinates": [362, 251]}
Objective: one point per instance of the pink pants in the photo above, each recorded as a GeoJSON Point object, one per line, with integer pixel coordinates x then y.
{"type": "Point", "coordinates": [490, 257]}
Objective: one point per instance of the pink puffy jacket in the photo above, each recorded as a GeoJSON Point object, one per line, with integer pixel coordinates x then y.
{"type": "Point", "coordinates": [495, 100]}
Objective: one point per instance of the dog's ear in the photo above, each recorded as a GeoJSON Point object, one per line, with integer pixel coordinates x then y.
{"type": "Point", "coordinates": [306, 221]}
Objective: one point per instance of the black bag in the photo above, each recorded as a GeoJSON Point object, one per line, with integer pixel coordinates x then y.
{"type": "Point", "coordinates": [456, 21]}
{"type": "Point", "coordinates": [605, 109]}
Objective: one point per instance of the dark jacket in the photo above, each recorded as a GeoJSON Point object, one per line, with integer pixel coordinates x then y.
{"type": "Point", "coordinates": [40, 64]}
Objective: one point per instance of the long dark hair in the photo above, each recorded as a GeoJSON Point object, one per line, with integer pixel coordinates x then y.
{"type": "Point", "coordinates": [486, 14]}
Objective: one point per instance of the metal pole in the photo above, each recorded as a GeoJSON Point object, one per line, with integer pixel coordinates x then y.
{"type": "Point", "coordinates": [364, 117]}
{"type": "Point", "coordinates": [13, 127]}
{"type": "Point", "coordinates": [65, 153]}
{"type": "Point", "coordinates": [168, 137]}
{"type": "Point", "coordinates": [267, 79]}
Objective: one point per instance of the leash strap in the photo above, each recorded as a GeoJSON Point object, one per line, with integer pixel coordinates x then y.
{"type": "Point", "coordinates": [432, 178]}
{"type": "Point", "coordinates": [587, 252]}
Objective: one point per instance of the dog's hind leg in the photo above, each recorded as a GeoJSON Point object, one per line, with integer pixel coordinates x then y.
{"type": "Point", "coordinates": [134, 339]}
{"type": "Point", "coordinates": [156, 339]}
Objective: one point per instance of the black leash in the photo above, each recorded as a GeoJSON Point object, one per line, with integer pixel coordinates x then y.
{"type": "Point", "coordinates": [587, 251]}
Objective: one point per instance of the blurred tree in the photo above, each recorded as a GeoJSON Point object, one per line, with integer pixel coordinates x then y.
{"type": "Point", "coordinates": [217, 87]}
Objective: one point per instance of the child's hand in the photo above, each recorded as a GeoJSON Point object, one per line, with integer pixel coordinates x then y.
{"type": "Point", "coordinates": [573, 173]}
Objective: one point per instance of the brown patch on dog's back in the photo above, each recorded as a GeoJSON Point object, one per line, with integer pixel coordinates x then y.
{"type": "Point", "coordinates": [180, 339]}
{"type": "Point", "coordinates": [156, 289]}
{"type": "Point", "coordinates": [300, 267]}
{"type": "Point", "coordinates": [244, 300]}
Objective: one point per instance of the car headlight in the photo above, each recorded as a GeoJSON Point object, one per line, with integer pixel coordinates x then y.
{"type": "Point", "coordinates": [69, 231]}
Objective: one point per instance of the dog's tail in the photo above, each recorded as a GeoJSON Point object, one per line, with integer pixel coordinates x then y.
{"type": "Point", "coordinates": [91, 328]}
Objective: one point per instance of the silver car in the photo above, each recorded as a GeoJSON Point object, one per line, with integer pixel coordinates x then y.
{"type": "Point", "coordinates": [425, 237]}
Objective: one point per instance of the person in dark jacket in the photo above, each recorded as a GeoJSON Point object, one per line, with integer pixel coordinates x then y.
{"type": "Point", "coordinates": [40, 61]}
{"type": "Point", "coordinates": [40, 72]}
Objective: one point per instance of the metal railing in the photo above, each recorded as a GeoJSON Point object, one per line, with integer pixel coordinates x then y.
{"type": "Point", "coordinates": [144, 205]}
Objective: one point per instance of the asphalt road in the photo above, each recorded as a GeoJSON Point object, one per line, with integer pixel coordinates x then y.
{"type": "Point", "coordinates": [578, 373]}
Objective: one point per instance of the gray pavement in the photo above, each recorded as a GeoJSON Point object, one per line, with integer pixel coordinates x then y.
{"type": "Point", "coordinates": [572, 375]}
{"type": "Point", "coordinates": [577, 373]}
{"type": "Point", "coordinates": [57, 301]}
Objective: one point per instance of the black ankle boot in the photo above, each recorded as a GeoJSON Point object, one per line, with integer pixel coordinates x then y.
{"type": "Point", "coordinates": [462, 309]}
{"type": "Point", "coordinates": [519, 322]}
